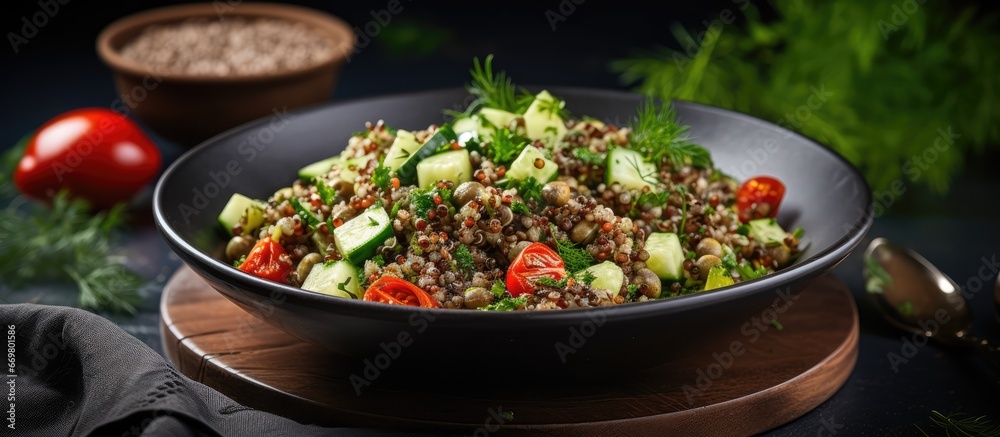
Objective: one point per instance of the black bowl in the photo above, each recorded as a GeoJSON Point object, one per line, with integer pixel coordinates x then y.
{"type": "Point", "coordinates": [825, 195]}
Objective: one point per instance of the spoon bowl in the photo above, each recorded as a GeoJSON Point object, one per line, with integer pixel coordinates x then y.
{"type": "Point", "coordinates": [912, 294]}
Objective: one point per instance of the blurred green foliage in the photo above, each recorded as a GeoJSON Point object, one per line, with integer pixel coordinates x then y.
{"type": "Point", "coordinates": [893, 77]}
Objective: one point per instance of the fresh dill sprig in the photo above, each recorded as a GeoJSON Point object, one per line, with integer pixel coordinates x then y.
{"type": "Point", "coordinates": [575, 258]}
{"type": "Point", "coordinates": [495, 90]}
{"type": "Point", "coordinates": [68, 243]}
{"type": "Point", "coordinates": [958, 424]}
{"type": "Point", "coordinates": [657, 135]}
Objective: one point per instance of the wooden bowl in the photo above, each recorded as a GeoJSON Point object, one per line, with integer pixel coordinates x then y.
{"type": "Point", "coordinates": [190, 108]}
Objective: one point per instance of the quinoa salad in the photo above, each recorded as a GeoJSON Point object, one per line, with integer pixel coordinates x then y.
{"type": "Point", "coordinates": [514, 204]}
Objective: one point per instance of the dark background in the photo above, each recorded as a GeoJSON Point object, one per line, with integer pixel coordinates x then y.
{"type": "Point", "coordinates": [430, 45]}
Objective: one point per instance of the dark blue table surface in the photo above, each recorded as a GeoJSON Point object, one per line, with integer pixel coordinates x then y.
{"type": "Point", "coordinates": [958, 232]}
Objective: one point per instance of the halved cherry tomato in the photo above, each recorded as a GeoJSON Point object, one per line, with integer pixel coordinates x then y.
{"type": "Point", "coordinates": [534, 262]}
{"type": "Point", "coordinates": [268, 260]}
{"type": "Point", "coordinates": [759, 197]}
{"type": "Point", "coordinates": [395, 291]}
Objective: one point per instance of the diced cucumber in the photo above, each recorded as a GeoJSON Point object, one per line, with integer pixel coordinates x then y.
{"type": "Point", "coordinates": [718, 277]}
{"type": "Point", "coordinates": [767, 231]}
{"type": "Point", "coordinates": [629, 168]}
{"type": "Point", "coordinates": [448, 166]}
{"type": "Point", "coordinates": [466, 125]}
{"type": "Point", "coordinates": [350, 168]}
{"type": "Point", "coordinates": [357, 239]}
{"type": "Point", "coordinates": [405, 145]}
{"type": "Point", "coordinates": [243, 211]}
{"type": "Point", "coordinates": [310, 171]}
{"type": "Point", "coordinates": [607, 276]}
{"type": "Point", "coordinates": [407, 171]}
{"type": "Point", "coordinates": [336, 278]}
{"type": "Point", "coordinates": [542, 120]}
{"type": "Point", "coordinates": [497, 118]}
{"type": "Point", "coordinates": [524, 166]}
{"type": "Point", "coordinates": [666, 258]}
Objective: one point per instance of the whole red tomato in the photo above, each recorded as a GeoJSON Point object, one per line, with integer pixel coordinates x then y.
{"type": "Point", "coordinates": [534, 262]}
{"type": "Point", "coordinates": [96, 154]}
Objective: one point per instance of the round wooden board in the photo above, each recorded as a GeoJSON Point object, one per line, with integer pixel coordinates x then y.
{"type": "Point", "coordinates": [774, 377]}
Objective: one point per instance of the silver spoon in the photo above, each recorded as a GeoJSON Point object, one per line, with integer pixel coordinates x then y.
{"type": "Point", "coordinates": [915, 296]}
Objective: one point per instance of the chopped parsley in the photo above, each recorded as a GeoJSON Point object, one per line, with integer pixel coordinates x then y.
{"type": "Point", "coordinates": [498, 289]}
{"type": "Point", "coordinates": [632, 289]}
{"type": "Point", "coordinates": [506, 304]}
{"type": "Point", "coordinates": [549, 282]}
{"type": "Point", "coordinates": [464, 258]}
{"type": "Point", "coordinates": [423, 200]}
{"type": "Point", "coordinates": [585, 155]}
{"type": "Point", "coordinates": [743, 230]}
{"type": "Point", "coordinates": [691, 255]}
{"type": "Point", "coordinates": [587, 277]}
{"type": "Point", "coordinates": [505, 146]}
{"type": "Point", "coordinates": [378, 260]}
{"type": "Point", "coordinates": [326, 192]}
{"type": "Point", "coordinates": [520, 208]}
{"type": "Point", "coordinates": [240, 261]}
{"type": "Point", "coordinates": [530, 189]}
{"type": "Point", "coordinates": [382, 177]}
{"type": "Point", "coordinates": [746, 272]}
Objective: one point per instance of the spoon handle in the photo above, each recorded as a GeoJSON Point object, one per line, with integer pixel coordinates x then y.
{"type": "Point", "coordinates": [988, 353]}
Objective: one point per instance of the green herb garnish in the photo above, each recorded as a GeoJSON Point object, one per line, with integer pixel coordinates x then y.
{"type": "Point", "coordinates": [530, 189]}
{"type": "Point", "coordinates": [744, 230]}
{"type": "Point", "coordinates": [799, 232]}
{"type": "Point", "coordinates": [506, 304]}
{"type": "Point", "coordinates": [587, 277]}
{"type": "Point", "coordinates": [575, 258]}
{"type": "Point", "coordinates": [632, 289]}
{"type": "Point", "coordinates": [549, 282]}
{"type": "Point", "coordinates": [746, 272]}
{"type": "Point", "coordinates": [495, 90]}
{"type": "Point", "coordinates": [240, 261]}
{"type": "Point", "coordinates": [777, 325]}
{"type": "Point", "coordinates": [691, 255]}
{"type": "Point", "coordinates": [422, 200]}
{"type": "Point", "coordinates": [505, 146]}
{"type": "Point", "coordinates": [326, 192]}
{"type": "Point", "coordinates": [959, 424]}
{"type": "Point", "coordinates": [498, 289]}
{"type": "Point", "coordinates": [378, 260]}
{"type": "Point", "coordinates": [589, 157]}
{"type": "Point", "coordinates": [657, 135]}
{"type": "Point", "coordinates": [67, 243]}
{"type": "Point", "coordinates": [520, 208]}
{"type": "Point", "coordinates": [382, 177]}
{"type": "Point", "coordinates": [465, 259]}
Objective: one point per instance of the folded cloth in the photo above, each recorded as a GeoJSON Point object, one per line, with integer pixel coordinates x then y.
{"type": "Point", "coordinates": [76, 373]}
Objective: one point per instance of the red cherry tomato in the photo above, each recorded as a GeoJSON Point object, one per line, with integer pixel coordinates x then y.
{"type": "Point", "coordinates": [96, 154]}
{"type": "Point", "coordinates": [395, 291]}
{"type": "Point", "coordinates": [534, 262]}
{"type": "Point", "coordinates": [268, 260]}
{"type": "Point", "coordinates": [759, 197]}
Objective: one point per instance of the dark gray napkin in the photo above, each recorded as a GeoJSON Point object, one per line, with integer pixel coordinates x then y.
{"type": "Point", "coordinates": [79, 374]}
